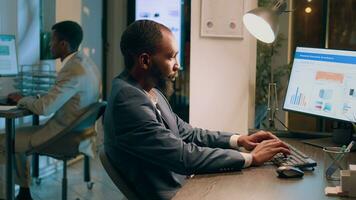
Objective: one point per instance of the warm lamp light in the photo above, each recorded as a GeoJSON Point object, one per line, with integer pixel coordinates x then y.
{"type": "Point", "coordinates": [262, 22]}
{"type": "Point", "coordinates": [308, 10]}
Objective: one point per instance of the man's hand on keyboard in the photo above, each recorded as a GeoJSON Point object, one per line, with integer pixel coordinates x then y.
{"type": "Point", "coordinates": [14, 97]}
{"type": "Point", "coordinates": [249, 142]}
{"type": "Point", "coordinates": [265, 150]}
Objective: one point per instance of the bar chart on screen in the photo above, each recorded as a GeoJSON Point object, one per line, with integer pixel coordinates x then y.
{"type": "Point", "coordinates": [298, 98]}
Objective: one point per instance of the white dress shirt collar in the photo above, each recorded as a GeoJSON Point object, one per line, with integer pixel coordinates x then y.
{"type": "Point", "coordinates": [154, 98]}
{"type": "Point", "coordinates": [68, 58]}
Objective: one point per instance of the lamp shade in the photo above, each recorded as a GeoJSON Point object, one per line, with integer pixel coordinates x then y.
{"type": "Point", "coordinates": [262, 23]}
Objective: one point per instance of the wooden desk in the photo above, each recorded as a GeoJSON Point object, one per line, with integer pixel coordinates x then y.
{"type": "Point", "coordinates": [261, 183]}
{"type": "Point", "coordinates": [10, 116]}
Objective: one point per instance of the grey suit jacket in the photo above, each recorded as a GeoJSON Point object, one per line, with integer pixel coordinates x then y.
{"type": "Point", "coordinates": [154, 151]}
{"type": "Point", "coordinates": [77, 86]}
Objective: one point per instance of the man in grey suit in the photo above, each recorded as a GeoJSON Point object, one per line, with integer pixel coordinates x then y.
{"type": "Point", "coordinates": [147, 142]}
{"type": "Point", "coordinates": [77, 86]}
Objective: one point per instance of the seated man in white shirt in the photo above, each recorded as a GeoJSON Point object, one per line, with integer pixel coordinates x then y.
{"type": "Point", "coordinates": [76, 87]}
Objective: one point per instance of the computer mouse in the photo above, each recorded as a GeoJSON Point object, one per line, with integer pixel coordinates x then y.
{"type": "Point", "coordinates": [289, 172]}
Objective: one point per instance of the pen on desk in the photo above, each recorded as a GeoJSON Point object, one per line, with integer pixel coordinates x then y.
{"type": "Point", "coordinates": [332, 168]}
{"type": "Point", "coordinates": [348, 148]}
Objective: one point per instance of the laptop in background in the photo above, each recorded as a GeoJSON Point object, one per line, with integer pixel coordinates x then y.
{"type": "Point", "coordinates": [8, 65]}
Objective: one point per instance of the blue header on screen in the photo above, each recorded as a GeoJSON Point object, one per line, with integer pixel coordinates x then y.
{"type": "Point", "coordinates": [326, 57]}
{"type": "Point", "coordinates": [7, 37]}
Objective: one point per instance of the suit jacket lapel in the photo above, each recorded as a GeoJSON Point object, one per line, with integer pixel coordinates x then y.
{"type": "Point", "coordinates": [166, 113]}
{"type": "Point", "coordinates": [163, 117]}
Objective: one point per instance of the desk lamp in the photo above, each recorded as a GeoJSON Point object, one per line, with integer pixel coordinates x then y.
{"type": "Point", "coordinates": [262, 23]}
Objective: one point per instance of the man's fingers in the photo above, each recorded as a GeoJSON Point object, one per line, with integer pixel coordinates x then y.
{"type": "Point", "coordinates": [280, 143]}
{"type": "Point", "coordinates": [265, 135]}
{"type": "Point", "coordinates": [281, 150]}
{"type": "Point", "coordinates": [14, 95]}
{"type": "Point", "coordinates": [271, 135]}
{"type": "Point", "coordinates": [251, 145]}
{"type": "Point", "coordinates": [283, 144]}
{"type": "Point", "coordinates": [269, 142]}
{"type": "Point", "coordinates": [273, 143]}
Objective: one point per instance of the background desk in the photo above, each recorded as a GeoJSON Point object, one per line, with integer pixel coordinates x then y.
{"type": "Point", "coordinates": [261, 183]}
{"type": "Point", "coordinates": [10, 116]}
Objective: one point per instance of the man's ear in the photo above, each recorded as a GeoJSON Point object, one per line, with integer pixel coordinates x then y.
{"type": "Point", "coordinates": [144, 60]}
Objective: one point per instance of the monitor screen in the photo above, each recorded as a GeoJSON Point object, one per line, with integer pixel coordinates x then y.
{"type": "Point", "coordinates": [8, 58]}
{"type": "Point", "coordinates": [166, 12]}
{"type": "Point", "coordinates": [323, 83]}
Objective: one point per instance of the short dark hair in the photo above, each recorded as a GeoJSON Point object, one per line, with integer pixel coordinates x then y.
{"type": "Point", "coordinates": [69, 31]}
{"type": "Point", "coordinates": [142, 36]}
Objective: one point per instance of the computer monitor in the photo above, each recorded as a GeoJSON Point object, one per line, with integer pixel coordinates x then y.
{"type": "Point", "coordinates": [323, 83]}
{"type": "Point", "coordinates": [8, 57]}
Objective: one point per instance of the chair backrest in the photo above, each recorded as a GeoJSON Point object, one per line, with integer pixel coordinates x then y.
{"type": "Point", "coordinates": [116, 177]}
{"type": "Point", "coordinates": [81, 128]}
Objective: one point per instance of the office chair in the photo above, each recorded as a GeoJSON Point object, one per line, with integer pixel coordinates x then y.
{"type": "Point", "coordinates": [70, 138]}
{"type": "Point", "coordinates": [117, 177]}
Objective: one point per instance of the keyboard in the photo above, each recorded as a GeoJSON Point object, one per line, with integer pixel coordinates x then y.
{"type": "Point", "coordinates": [295, 159]}
{"type": "Point", "coordinates": [4, 101]}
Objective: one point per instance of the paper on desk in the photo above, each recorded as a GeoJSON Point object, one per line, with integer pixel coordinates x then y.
{"type": "Point", "coordinates": [2, 108]}
{"type": "Point", "coordinates": [334, 191]}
